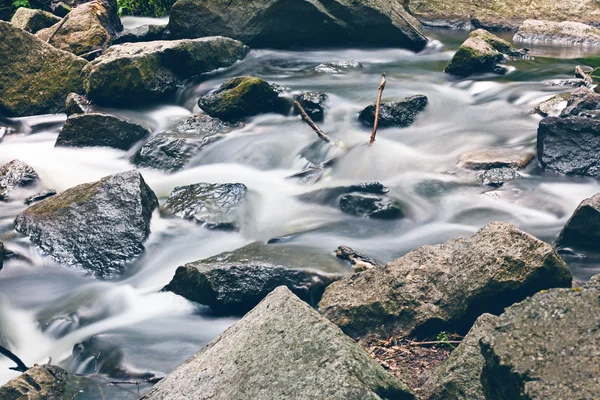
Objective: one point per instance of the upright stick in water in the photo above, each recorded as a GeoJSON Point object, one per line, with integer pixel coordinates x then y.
{"type": "Point", "coordinates": [381, 87]}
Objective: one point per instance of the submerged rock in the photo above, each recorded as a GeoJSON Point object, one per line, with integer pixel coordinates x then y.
{"type": "Point", "coordinates": [15, 174]}
{"type": "Point", "coordinates": [33, 20]}
{"type": "Point", "coordinates": [495, 157]}
{"type": "Point", "coordinates": [582, 230]}
{"type": "Point", "coordinates": [44, 194]}
{"type": "Point", "coordinates": [147, 71]}
{"type": "Point", "coordinates": [337, 67]}
{"type": "Point", "coordinates": [144, 33]}
{"type": "Point", "coordinates": [99, 226]}
{"type": "Point", "coordinates": [565, 33]}
{"type": "Point", "coordinates": [497, 176]}
{"type": "Point", "coordinates": [36, 77]}
{"type": "Point", "coordinates": [76, 104]}
{"type": "Point", "coordinates": [214, 205]}
{"type": "Point", "coordinates": [583, 102]}
{"type": "Point", "coordinates": [481, 52]}
{"type": "Point", "coordinates": [545, 347]}
{"type": "Point", "coordinates": [553, 106]}
{"type": "Point", "coordinates": [170, 151]}
{"type": "Point", "coordinates": [398, 113]}
{"type": "Point", "coordinates": [285, 24]}
{"type": "Point", "coordinates": [102, 130]}
{"type": "Point", "coordinates": [41, 382]}
{"type": "Point", "coordinates": [445, 286]}
{"type": "Point", "coordinates": [239, 98]}
{"type": "Point", "coordinates": [281, 349]}
{"type": "Point", "coordinates": [369, 205]}
{"type": "Point", "coordinates": [569, 145]}
{"type": "Point", "coordinates": [312, 102]}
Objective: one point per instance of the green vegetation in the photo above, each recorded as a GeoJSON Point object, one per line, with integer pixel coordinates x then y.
{"type": "Point", "coordinates": [444, 338]}
{"type": "Point", "coordinates": [21, 3]}
{"type": "Point", "coordinates": [148, 8]}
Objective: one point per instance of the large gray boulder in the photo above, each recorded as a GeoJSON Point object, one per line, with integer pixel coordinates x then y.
{"type": "Point", "coordinates": [236, 281]}
{"type": "Point", "coordinates": [33, 20]}
{"type": "Point", "coordinates": [16, 174]}
{"type": "Point", "coordinates": [100, 130]}
{"type": "Point", "coordinates": [565, 33]}
{"type": "Point", "coordinates": [282, 349]}
{"type": "Point", "coordinates": [36, 77]}
{"type": "Point", "coordinates": [446, 286]}
{"type": "Point", "coordinates": [290, 23]}
{"type": "Point", "coordinates": [43, 382]}
{"type": "Point", "coordinates": [546, 347]}
{"type": "Point", "coordinates": [99, 226]}
{"type": "Point", "coordinates": [569, 145]}
{"type": "Point", "coordinates": [582, 230]}
{"type": "Point", "coordinates": [146, 71]}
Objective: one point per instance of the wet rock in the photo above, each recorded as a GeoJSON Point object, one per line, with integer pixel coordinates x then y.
{"type": "Point", "coordinates": [458, 376]}
{"type": "Point", "coordinates": [61, 9]}
{"type": "Point", "coordinates": [480, 53]}
{"type": "Point", "coordinates": [15, 174]}
{"type": "Point", "coordinates": [41, 382]}
{"type": "Point", "coordinates": [40, 196]}
{"type": "Point", "coordinates": [36, 77]}
{"type": "Point", "coordinates": [86, 28]}
{"type": "Point", "coordinates": [144, 33]}
{"type": "Point", "coordinates": [497, 176]}
{"type": "Point", "coordinates": [170, 151]}
{"type": "Point", "coordinates": [147, 71]}
{"type": "Point", "coordinates": [445, 287]}
{"type": "Point", "coordinates": [399, 113]}
{"type": "Point", "coordinates": [569, 145]}
{"type": "Point", "coordinates": [583, 102]}
{"type": "Point", "coordinates": [582, 230]}
{"type": "Point", "coordinates": [313, 103]}
{"type": "Point", "coordinates": [553, 106]}
{"type": "Point", "coordinates": [280, 350]}
{"type": "Point", "coordinates": [495, 157]}
{"type": "Point", "coordinates": [284, 24]}
{"type": "Point", "coordinates": [330, 196]}
{"type": "Point", "coordinates": [228, 284]}
{"type": "Point", "coordinates": [76, 104]}
{"type": "Point", "coordinates": [372, 206]}
{"type": "Point", "coordinates": [99, 226]}
{"type": "Point", "coordinates": [545, 347]}
{"type": "Point", "coordinates": [239, 98]}
{"type": "Point", "coordinates": [214, 205]}
{"type": "Point", "coordinates": [33, 20]}
{"type": "Point", "coordinates": [337, 67]}
{"type": "Point", "coordinates": [565, 33]}
{"type": "Point", "coordinates": [100, 130]}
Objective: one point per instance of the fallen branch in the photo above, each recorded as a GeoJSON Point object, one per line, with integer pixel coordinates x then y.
{"type": "Point", "coordinates": [21, 367]}
{"type": "Point", "coordinates": [60, 24]}
{"type": "Point", "coordinates": [359, 262]}
{"type": "Point", "coordinates": [434, 342]}
{"type": "Point", "coordinates": [312, 124]}
{"type": "Point", "coordinates": [89, 53]}
{"type": "Point", "coordinates": [580, 73]}
{"type": "Point", "coordinates": [377, 106]}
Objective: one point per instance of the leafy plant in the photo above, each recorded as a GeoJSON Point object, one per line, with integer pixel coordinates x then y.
{"type": "Point", "coordinates": [444, 339]}
{"type": "Point", "coordinates": [21, 3]}
{"type": "Point", "coordinates": [148, 8]}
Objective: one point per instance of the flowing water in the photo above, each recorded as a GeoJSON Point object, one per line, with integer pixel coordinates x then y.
{"type": "Point", "coordinates": [46, 309]}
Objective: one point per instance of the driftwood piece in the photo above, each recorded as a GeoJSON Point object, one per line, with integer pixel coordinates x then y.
{"type": "Point", "coordinates": [434, 342]}
{"type": "Point", "coordinates": [377, 107]}
{"type": "Point", "coordinates": [312, 124]}
{"type": "Point", "coordinates": [21, 367]}
{"type": "Point", "coordinates": [580, 73]}
{"type": "Point", "coordinates": [359, 261]}
{"type": "Point", "coordinates": [60, 25]}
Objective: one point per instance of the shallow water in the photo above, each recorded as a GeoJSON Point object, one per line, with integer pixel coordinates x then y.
{"type": "Point", "coordinates": [157, 331]}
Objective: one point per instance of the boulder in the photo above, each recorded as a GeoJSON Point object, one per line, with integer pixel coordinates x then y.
{"type": "Point", "coordinates": [480, 53]}
{"type": "Point", "coordinates": [313, 103]}
{"type": "Point", "coordinates": [398, 113]}
{"type": "Point", "coordinates": [98, 226]}
{"type": "Point", "coordinates": [546, 347]}
{"type": "Point", "coordinates": [33, 20]}
{"type": "Point", "coordinates": [240, 97]}
{"type": "Point", "coordinates": [337, 67]}
{"type": "Point", "coordinates": [170, 150]}
{"type": "Point", "coordinates": [569, 145]}
{"type": "Point", "coordinates": [76, 104]}
{"type": "Point", "coordinates": [147, 71]}
{"type": "Point", "coordinates": [304, 23]}
{"type": "Point", "coordinates": [553, 106]}
{"type": "Point", "coordinates": [214, 205]}
{"type": "Point", "coordinates": [144, 33]}
{"type": "Point", "coordinates": [565, 33]}
{"type": "Point", "coordinates": [583, 102]}
{"type": "Point", "coordinates": [370, 205]}
{"type": "Point", "coordinates": [446, 286]}
{"type": "Point", "coordinates": [236, 286]}
{"type": "Point", "coordinates": [458, 376]}
{"type": "Point", "coordinates": [582, 230]}
{"type": "Point", "coordinates": [101, 130]}
{"type": "Point", "coordinates": [37, 383]}
{"type": "Point", "coordinates": [282, 349]}
{"type": "Point", "coordinates": [494, 157]}
{"type": "Point", "coordinates": [36, 77]}
{"type": "Point", "coordinates": [15, 174]}
{"type": "Point", "coordinates": [497, 177]}
{"type": "Point", "coordinates": [86, 28]}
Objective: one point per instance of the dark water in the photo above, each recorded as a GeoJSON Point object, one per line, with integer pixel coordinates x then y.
{"type": "Point", "coordinates": [45, 309]}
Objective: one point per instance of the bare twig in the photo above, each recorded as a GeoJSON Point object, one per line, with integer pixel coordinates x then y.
{"type": "Point", "coordinates": [60, 24]}
{"type": "Point", "coordinates": [21, 367]}
{"type": "Point", "coordinates": [89, 53]}
{"type": "Point", "coordinates": [312, 124]}
{"type": "Point", "coordinates": [433, 342]}
{"type": "Point", "coordinates": [377, 106]}
{"type": "Point", "coordinates": [580, 73]}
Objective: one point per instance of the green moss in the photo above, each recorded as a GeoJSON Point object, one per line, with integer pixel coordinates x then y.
{"type": "Point", "coordinates": [76, 195]}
